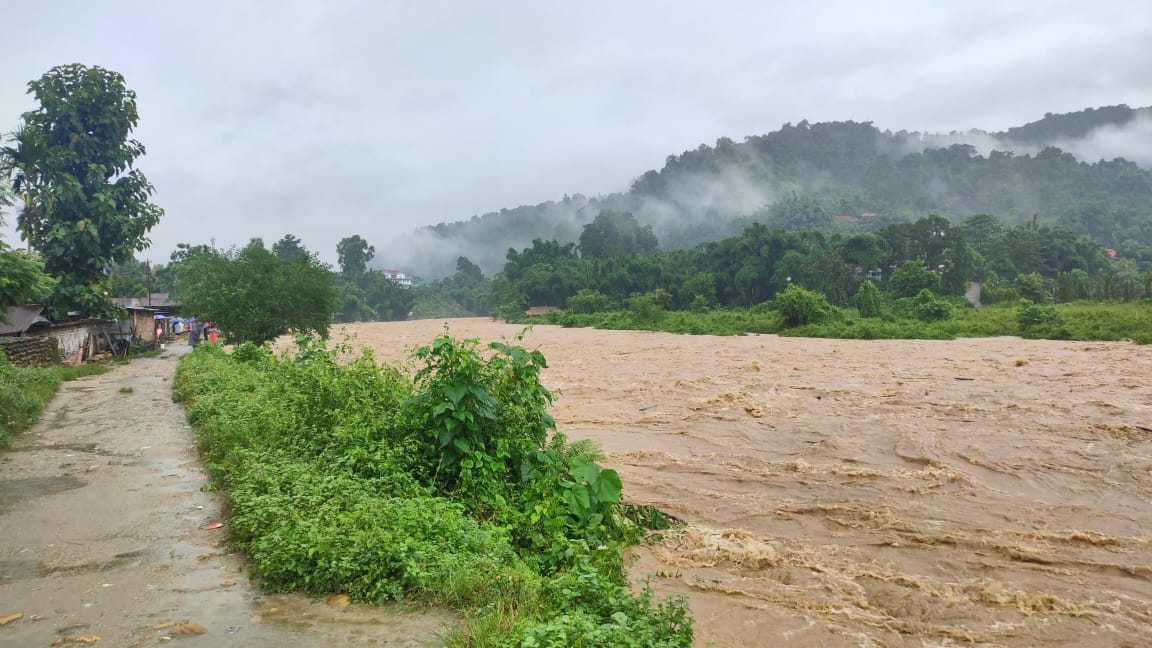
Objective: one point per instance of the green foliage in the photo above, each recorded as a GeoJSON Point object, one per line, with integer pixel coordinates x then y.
{"type": "Point", "coordinates": [930, 308]}
{"type": "Point", "coordinates": [587, 301]}
{"type": "Point", "coordinates": [649, 308]}
{"type": "Point", "coordinates": [483, 420]}
{"type": "Point", "coordinates": [616, 234]}
{"type": "Point", "coordinates": [465, 293]}
{"type": "Point", "coordinates": [344, 475]}
{"type": "Point", "coordinates": [798, 307]}
{"type": "Point", "coordinates": [86, 205]}
{"type": "Point", "coordinates": [22, 279]}
{"type": "Point", "coordinates": [81, 371]}
{"type": "Point", "coordinates": [596, 613]}
{"type": "Point", "coordinates": [1031, 287]}
{"type": "Point", "coordinates": [1039, 320]}
{"type": "Point", "coordinates": [354, 253]}
{"type": "Point", "coordinates": [253, 295]}
{"type": "Point", "coordinates": [128, 279]}
{"type": "Point", "coordinates": [868, 301]}
{"type": "Point", "coordinates": [912, 277]}
{"type": "Point", "coordinates": [290, 248]}
{"type": "Point", "coordinates": [24, 391]}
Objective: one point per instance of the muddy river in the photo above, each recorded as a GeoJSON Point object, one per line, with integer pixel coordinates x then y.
{"type": "Point", "coordinates": [991, 492]}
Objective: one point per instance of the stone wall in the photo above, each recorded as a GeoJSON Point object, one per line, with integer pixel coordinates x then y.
{"type": "Point", "coordinates": [31, 351]}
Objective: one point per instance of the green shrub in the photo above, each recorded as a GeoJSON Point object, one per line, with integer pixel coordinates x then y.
{"type": "Point", "coordinates": [912, 277]}
{"type": "Point", "coordinates": [930, 308]}
{"type": "Point", "coordinates": [445, 487]}
{"type": "Point", "coordinates": [588, 301]}
{"type": "Point", "coordinates": [1031, 287]}
{"type": "Point", "coordinates": [868, 299]}
{"type": "Point", "coordinates": [798, 307]}
{"type": "Point", "coordinates": [1039, 320]}
{"type": "Point", "coordinates": [649, 309]}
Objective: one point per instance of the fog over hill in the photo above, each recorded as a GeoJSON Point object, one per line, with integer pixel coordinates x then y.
{"type": "Point", "coordinates": [1090, 171]}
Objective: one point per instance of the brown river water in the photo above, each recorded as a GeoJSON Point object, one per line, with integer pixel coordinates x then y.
{"type": "Point", "coordinates": [989, 492]}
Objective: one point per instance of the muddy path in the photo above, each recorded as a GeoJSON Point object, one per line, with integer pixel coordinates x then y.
{"type": "Point", "coordinates": [989, 492]}
{"type": "Point", "coordinates": [105, 533]}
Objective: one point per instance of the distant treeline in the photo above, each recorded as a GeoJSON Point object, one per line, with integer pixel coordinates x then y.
{"type": "Point", "coordinates": [740, 271]}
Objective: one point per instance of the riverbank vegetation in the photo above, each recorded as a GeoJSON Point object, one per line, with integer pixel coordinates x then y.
{"type": "Point", "coordinates": [447, 485]}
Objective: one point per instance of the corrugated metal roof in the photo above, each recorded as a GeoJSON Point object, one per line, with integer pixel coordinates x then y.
{"type": "Point", "coordinates": [19, 318]}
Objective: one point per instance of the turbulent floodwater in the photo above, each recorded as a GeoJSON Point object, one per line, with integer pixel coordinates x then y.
{"type": "Point", "coordinates": [870, 493]}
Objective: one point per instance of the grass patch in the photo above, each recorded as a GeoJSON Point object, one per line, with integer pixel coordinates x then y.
{"type": "Point", "coordinates": [82, 371]}
{"type": "Point", "coordinates": [901, 319]}
{"type": "Point", "coordinates": [24, 391]}
{"type": "Point", "coordinates": [447, 487]}
{"type": "Point", "coordinates": [126, 390]}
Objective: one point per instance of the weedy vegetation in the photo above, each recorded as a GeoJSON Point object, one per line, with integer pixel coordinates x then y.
{"type": "Point", "coordinates": [803, 313]}
{"type": "Point", "coordinates": [24, 391]}
{"type": "Point", "coordinates": [448, 486]}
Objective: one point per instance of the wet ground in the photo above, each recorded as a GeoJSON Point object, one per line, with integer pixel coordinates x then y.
{"type": "Point", "coordinates": [990, 492]}
{"type": "Point", "coordinates": [107, 538]}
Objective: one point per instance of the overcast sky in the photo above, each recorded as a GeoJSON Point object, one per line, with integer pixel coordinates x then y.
{"type": "Point", "coordinates": [327, 119]}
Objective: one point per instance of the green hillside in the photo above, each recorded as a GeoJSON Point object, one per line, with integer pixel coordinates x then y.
{"type": "Point", "coordinates": [848, 177]}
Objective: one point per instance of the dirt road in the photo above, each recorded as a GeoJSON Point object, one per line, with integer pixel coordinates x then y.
{"type": "Point", "coordinates": [105, 533]}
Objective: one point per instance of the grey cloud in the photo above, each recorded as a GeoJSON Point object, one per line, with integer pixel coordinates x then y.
{"type": "Point", "coordinates": [374, 118]}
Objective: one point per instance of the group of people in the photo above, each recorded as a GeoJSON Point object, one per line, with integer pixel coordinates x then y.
{"type": "Point", "coordinates": [201, 332]}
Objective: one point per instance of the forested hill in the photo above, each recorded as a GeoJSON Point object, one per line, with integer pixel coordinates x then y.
{"type": "Point", "coordinates": [1053, 129]}
{"type": "Point", "coordinates": [851, 176]}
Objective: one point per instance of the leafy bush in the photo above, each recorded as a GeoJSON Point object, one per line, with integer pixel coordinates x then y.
{"type": "Point", "coordinates": [868, 299]}
{"type": "Point", "coordinates": [930, 308]}
{"type": "Point", "coordinates": [1031, 287]}
{"type": "Point", "coordinates": [649, 308]}
{"type": "Point", "coordinates": [589, 301]}
{"type": "Point", "coordinates": [798, 306]}
{"type": "Point", "coordinates": [344, 475]}
{"type": "Point", "coordinates": [912, 277]}
{"type": "Point", "coordinates": [1039, 320]}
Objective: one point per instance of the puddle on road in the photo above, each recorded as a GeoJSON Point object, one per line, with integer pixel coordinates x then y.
{"type": "Point", "coordinates": [11, 570]}
{"type": "Point", "coordinates": [14, 491]}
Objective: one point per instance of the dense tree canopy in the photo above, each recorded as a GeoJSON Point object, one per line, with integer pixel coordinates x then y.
{"type": "Point", "coordinates": [290, 248]}
{"type": "Point", "coordinates": [363, 294]}
{"type": "Point", "coordinates": [87, 207]}
{"type": "Point", "coordinates": [904, 259]}
{"type": "Point", "coordinates": [614, 234]}
{"type": "Point", "coordinates": [22, 278]}
{"type": "Point", "coordinates": [252, 295]}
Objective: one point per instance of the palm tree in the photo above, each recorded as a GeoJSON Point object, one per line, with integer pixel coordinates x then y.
{"type": "Point", "coordinates": [25, 162]}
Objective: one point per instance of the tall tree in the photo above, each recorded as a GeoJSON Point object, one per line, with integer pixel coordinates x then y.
{"type": "Point", "coordinates": [354, 253]}
{"type": "Point", "coordinates": [614, 234]}
{"type": "Point", "coordinates": [289, 248]}
{"type": "Point", "coordinates": [23, 162]}
{"type": "Point", "coordinates": [88, 206]}
{"type": "Point", "coordinates": [22, 278]}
